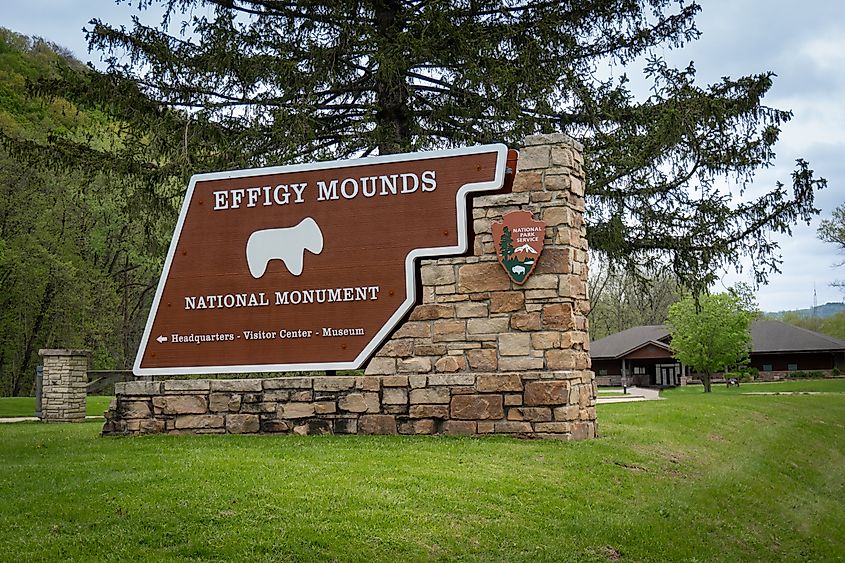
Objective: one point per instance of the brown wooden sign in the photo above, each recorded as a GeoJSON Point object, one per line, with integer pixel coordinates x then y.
{"type": "Point", "coordinates": [306, 267]}
{"type": "Point", "coordinates": [519, 240]}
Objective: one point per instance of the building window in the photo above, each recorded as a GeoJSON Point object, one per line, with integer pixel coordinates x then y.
{"type": "Point", "coordinates": [767, 367]}
{"type": "Point", "coordinates": [639, 370]}
{"type": "Point", "coordinates": [792, 367]}
{"type": "Point", "coordinates": [602, 372]}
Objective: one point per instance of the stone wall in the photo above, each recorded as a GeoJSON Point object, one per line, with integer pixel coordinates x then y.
{"type": "Point", "coordinates": [536, 404]}
{"type": "Point", "coordinates": [479, 355]}
{"type": "Point", "coordinates": [64, 382]}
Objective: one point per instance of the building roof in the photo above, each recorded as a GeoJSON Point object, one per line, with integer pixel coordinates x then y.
{"type": "Point", "coordinates": [776, 336]}
{"type": "Point", "coordinates": [619, 344]}
{"type": "Point", "coordinates": [766, 337]}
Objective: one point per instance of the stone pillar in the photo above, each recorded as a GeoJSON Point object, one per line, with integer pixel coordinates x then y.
{"type": "Point", "coordinates": [64, 385]}
{"type": "Point", "coordinates": [474, 319]}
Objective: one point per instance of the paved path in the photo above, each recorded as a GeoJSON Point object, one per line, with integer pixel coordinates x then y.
{"type": "Point", "coordinates": [634, 394]}
{"type": "Point", "coordinates": [36, 419]}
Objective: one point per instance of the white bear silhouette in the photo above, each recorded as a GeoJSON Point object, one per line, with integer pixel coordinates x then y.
{"type": "Point", "coordinates": [286, 244]}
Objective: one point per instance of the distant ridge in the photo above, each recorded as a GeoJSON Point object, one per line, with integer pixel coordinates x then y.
{"type": "Point", "coordinates": [822, 311]}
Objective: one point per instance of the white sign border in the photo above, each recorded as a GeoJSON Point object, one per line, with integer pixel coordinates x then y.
{"type": "Point", "coordinates": [410, 270]}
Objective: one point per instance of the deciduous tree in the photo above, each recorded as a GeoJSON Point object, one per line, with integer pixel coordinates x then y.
{"type": "Point", "coordinates": [711, 334]}
{"type": "Point", "coordinates": [833, 231]}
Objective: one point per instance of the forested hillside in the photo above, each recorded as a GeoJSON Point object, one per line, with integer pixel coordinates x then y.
{"type": "Point", "coordinates": [831, 325]}
{"type": "Point", "coordinates": [80, 251]}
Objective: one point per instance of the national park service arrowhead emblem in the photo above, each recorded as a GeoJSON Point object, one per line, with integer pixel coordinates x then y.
{"type": "Point", "coordinates": [519, 242]}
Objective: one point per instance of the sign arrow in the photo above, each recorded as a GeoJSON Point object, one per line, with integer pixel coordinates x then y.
{"type": "Point", "coordinates": [161, 339]}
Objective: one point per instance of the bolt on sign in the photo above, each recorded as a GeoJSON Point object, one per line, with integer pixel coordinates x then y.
{"type": "Point", "coordinates": [306, 267]}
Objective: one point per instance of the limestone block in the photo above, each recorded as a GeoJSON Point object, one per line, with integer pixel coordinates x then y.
{"type": "Point", "coordinates": [237, 385]}
{"type": "Point", "coordinates": [449, 331]}
{"type": "Point", "coordinates": [242, 423]}
{"type": "Point", "coordinates": [296, 410]}
{"type": "Point", "coordinates": [534, 157]}
{"type": "Point", "coordinates": [513, 400]}
{"type": "Point", "coordinates": [429, 411]}
{"type": "Point", "coordinates": [431, 311]}
{"type": "Point", "coordinates": [456, 379]}
{"type": "Point", "coordinates": [325, 407]}
{"type": "Point", "coordinates": [224, 402]}
{"type": "Point", "coordinates": [353, 402]}
{"type": "Point", "coordinates": [450, 364]}
{"type": "Point", "coordinates": [395, 396]}
{"type": "Point", "coordinates": [531, 414]}
{"type": "Point", "coordinates": [412, 329]}
{"type": "Point", "coordinates": [527, 182]}
{"type": "Point", "coordinates": [514, 344]}
{"type": "Point", "coordinates": [487, 326]}
{"type": "Point", "coordinates": [546, 393]}
{"type": "Point", "coordinates": [557, 216]}
{"type": "Point", "coordinates": [525, 321]}
{"type": "Point", "coordinates": [199, 421]}
{"type": "Point", "coordinates": [369, 383]}
{"type": "Point", "coordinates": [138, 388]}
{"type": "Point", "coordinates": [381, 366]}
{"type": "Point", "coordinates": [429, 349]}
{"type": "Point", "coordinates": [553, 427]}
{"type": "Point", "coordinates": [373, 402]}
{"type": "Point", "coordinates": [287, 383]}
{"type": "Point", "coordinates": [377, 424]}
{"type": "Point", "coordinates": [401, 348]}
{"type": "Point", "coordinates": [395, 381]}
{"type": "Point", "coordinates": [511, 427]}
{"type": "Point", "coordinates": [179, 385]}
{"type": "Point", "coordinates": [554, 261]}
{"type": "Point", "coordinates": [437, 275]}
{"type": "Point", "coordinates": [567, 413]}
{"type": "Point", "coordinates": [459, 428]}
{"type": "Point", "coordinates": [566, 359]}
{"type": "Point", "coordinates": [430, 395]}
{"type": "Point", "coordinates": [415, 365]}
{"type": "Point", "coordinates": [331, 383]}
{"type": "Point", "coordinates": [136, 409]}
{"type": "Point", "coordinates": [557, 182]}
{"type": "Point", "coordinates": [471, 310]}
{"type": "Point", "coordinates": [483, 276]}
{"type": "Point", "coordinates": [477, 407]}
{"type": "Point", "coordinates": [482, 360]}
{"type": "Point", "coordinates": [301, 396]}
{"type": "Point", "coordinates": [558, 316]}
{"type": "Point", "coordinates": [180, 404]}
{"type": "Point", "coordinates": [416, 381]}
{"type": "Point", "coordinates": [545, 340]}
{"type": "Point", "coordinates": [497, 383]}
{"type": "Point", "coordinates": [485, 427]}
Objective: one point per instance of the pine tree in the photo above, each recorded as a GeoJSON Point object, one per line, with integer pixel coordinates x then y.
{"type": "Point", "coordinates": [279, 81]}
{"type": "Point", "coordinates": [506, 244]}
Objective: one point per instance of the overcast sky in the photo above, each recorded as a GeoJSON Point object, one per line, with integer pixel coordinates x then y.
{"type": "Point", "coordinates": [802, 42]}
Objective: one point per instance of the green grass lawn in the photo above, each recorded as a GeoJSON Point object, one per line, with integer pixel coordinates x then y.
{"type": "Point", "coordinates": [25, 406]}
{"type": "Point", "coordinates": [718, 477]}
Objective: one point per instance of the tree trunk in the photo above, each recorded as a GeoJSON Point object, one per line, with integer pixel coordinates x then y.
{"type": "Point", "coordinates": [706, 381]}
{"type": "Point", "coordinates": [29, 350]}
{"type": "Point", "coordinates": [393, 119]}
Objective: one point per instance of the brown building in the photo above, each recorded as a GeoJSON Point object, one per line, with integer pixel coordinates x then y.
{"type": "Point", "coordinates": [643, 356]}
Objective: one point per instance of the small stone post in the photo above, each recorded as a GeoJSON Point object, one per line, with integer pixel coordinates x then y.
{"type": "Point", "coordinates": [64, 385]}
